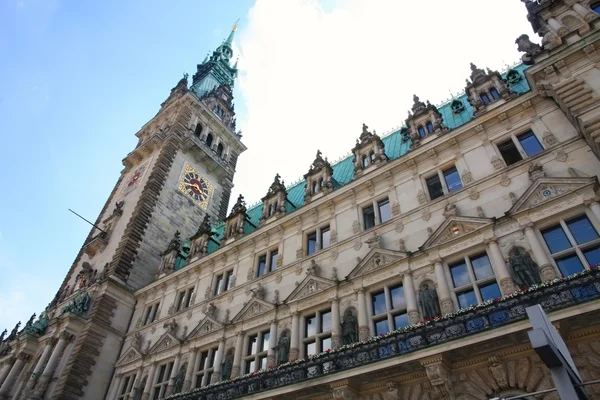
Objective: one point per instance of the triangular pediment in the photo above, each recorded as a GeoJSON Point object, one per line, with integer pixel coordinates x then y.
{"type": "Point", "coordinates": [206, 326]}
{"type": "Point", "coordinates": [375, 259]}
{"type": "Point", "coordinates": [453, 228]}
{"type": "Point", "coordinates": [546, 189]}
{"type": "Point", "coordinates": [130, 355]}
{"type": "Point", "coordinates": [311, 285]}
{"type": "Point", "coordinates": [253, 308]}
{"type": "Point", "coordinates": [166, 341]}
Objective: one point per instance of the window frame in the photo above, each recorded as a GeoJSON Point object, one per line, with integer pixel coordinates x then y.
{"type": "Point", "coordinates": [268, 254]}
{"type": "Point", "coordinates": [150, 309]}
{"type": "Point", "coordinates": [390, 311]}
{"type": "Point", "coordinates": [204, 372]}
{"type": "Point", "coordinates": [442, 178]}
{"type": "Point", "coordinates": [374, 204]}
{"type": "Point", "coordinates": [575, 248]}
{"type": "Point", "coordinates": [320, 335]}
{"type": "Point", "coordinates": [162, 385]}
{"type": "Point", "coordinates": [474, 284]}
{"type": "Point", "coordinates": [126, 386]}
{"type": "Point", "coordinates": [184, 298]}
{"type": "Point", "coordinates": [318, 234]}
{"type": "Point", "coordinates": [259, 355]}
{"type": "Point", "coordinates": [514, 136]}
{"type": "Point", "coordinates": [223, 279]}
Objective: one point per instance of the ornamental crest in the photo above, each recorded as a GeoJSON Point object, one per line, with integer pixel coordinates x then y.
{"type": "Point", "coordinates": [311, 285]}
{"type": "Point", "coordinates": [375, 259]}
{"type": "Point", "coordinates": [206, 326]}
{"type": "Point", "coordinates": [253, 308]}
{"type": "Point", "coordinates": [455, 227]}
{"type": "Point", "coordinates": [166, 341]}
{"type": "Point", "coordinates": [130, 356]}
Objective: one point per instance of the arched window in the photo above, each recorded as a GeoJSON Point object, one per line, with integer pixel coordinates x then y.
{"type": "Point", "coordinates": [365, 161]}
{"type": "Point", "coordinates": [494, 93]}
{"type": "Point", "coordinates": [220, 150]}
{"type": "Point", "coordinates": [485, 98]}
{"type": "Point", "coordinates": [421, 130]}
{"type": "Point", "coordinates": [198, 130]}
{"type": "Point", "coordinates": [596, 7]}
{"type": "Point", "coordinates": [270, 210]}
{"type": "Point", "coordinates": [372, 156]}
{"type": "Point", "coordinates": [209, 139]}
{"type": "Point", "coordinates": [429, 126]}
{"type": "Point", "coordinates": [315, 186]}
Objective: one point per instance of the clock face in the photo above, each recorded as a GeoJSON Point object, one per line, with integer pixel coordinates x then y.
{"type": "Point", "coordinates": [196, 187]}
{"type": "Point", "coordinates": [135, 178]}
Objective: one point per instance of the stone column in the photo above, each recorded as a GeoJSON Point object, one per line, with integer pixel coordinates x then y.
{"type": "Point", "coordinates": [173, 376]}
{"type": "Point", "coordinates": [114, 387]}
{"type": "Point", "coordinates": [237, 357]}
{"type": "Point", "coordinates": [5, 370]}
{"type": "Point", "coordinates": [218, 361]}
{"type": "Point", "coordinates": [499, 266]}
{"type": "Point", "coordinates": [595, 207]}
{"type": "Point", "coordinates": [335, 323]}
{"type": "Point", "coordinates": [12, 375]}
{"type": "Point", "coordinates": [271, 362]}
{"type": "Point", "coordinates": [547, 271]}
{"type": "Point", "coordinates": [135, 388]}
{"type": "Point", "coordinates": [40, 364]}
{"type": "Point", "coordinates": [52, 364]}
{"type": "Point", "coordinates": [149, 382]}
{"type": "Point", "coordinates": [189, 374]}
{"type": "Point", "coordinates": [411, 298]}
{"type": "Point", "coordinates": [363, 320]}
{"type": "Point", "coordinates": [442, 287]}
{"type": "Point", "coordinates": [294, 340]}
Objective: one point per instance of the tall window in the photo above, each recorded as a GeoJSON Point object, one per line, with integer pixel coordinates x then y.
{"type": "Point", "coordinates": [494, 93]}
{"type": "Point", "coordinates": [365, 161]}
{"type": "Point", "coordinates": [126, 387]}
{"type": "Point", "coordinates": [223, 282]}
{"type": "Point", "coordinates": [162, 381]}
{"type": "Point", "coordinates": [573, 243]}
{"type": "Point", "coordinates": [256, 352]}
{"type": "Point", "coordinates": [525, 145]}
{"type": "Point", "coordinates": [184, 299]}
{"type": "Point", "coordinates": [530, 144]}
{"type": "Point", "coordinates": [443, 182]}
{"type": "Point", "coordinates": [369, 217]}
{"type": "Point", "coordinates": [509, 152]}
{"type": "Point", "coordinates": [485, 98]}
{"type": "Point", "coordinates": [150, 313]}
{"type": "Point", "coordinates": [421, 131]}
{"type": "Point", "coordinates": [317, 332]}
{"type": "Point", "coordinates": [377, 212]}
{"type": "Point", "coordinates": [220, 150]}
{"type": "Point", "coordinates": [474, 281]}
{"type": "Point", "coordinates": [389, 309]}
{"type": "Point", "coordinates": [429, 126]}
{"type": "Point", "coordinates": [318, 239]}
{"type": "Point", "coordinates": [453, 182]}
{"type": "Point", "coordinates": [206, 368]}
{"type": "Point", "coordinates": [267, 262]}
{"type": "Point", "coordinates": [434, 187]}
{"type": "Point", "coordinates": [209, 140]}
{"type": "Point", "coordinates": [385, 212]}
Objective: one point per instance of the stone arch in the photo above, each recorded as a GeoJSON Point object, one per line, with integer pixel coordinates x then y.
{"type": "Point", "coordinates": [198, 130]}
{"type": "Point", "coordinates": [572, 21]}
{"type": "Point", "coordinates": [209, 139]}
{"type": "Point", "coordinates": [220, 149]}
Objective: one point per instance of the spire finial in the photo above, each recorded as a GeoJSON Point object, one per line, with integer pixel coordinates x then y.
{"type": "Point", "coordinates": [234, 28]}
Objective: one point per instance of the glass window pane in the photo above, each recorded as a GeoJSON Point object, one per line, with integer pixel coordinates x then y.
{"type": "Point", "coordinates": [481, 266]}
{"type": "Point", "coordinates": [429, 126]}
{"type": "Point", "coordinates": [325, 237]}
{"type": "Point", "coordinates": [274, 257]}
{"type": "Point", "coordinates": [211, 360]}
{"type": "Point", "coordinates": [379, 303]}
{"type": "Point", "coordinates": [460, 274]}
{"type": "Point", "coordinates": [311, 243]}
{"type": "Point", "coordinates": [582, 229]}
{"type": "Point", "coordinates": [326, 344]}
{"type": "Point", "coordinates": [265, 342]}
{"type": "Point", "coordinates": [203, 357]}
{"type": "Point", "coordinates": [422, 132]}
{"type": "Point", "coordinates": [556, 239]}
{"type": "Point", "coordinates": [325, 321]}
{"type": "Point", "coordinates": [596, 7]}
{"type": "Point", "coordinates": [310, 348]}
{"type": "Point", "coordinates": [263, 362]}
{"type": "Point", "coordinates": [251, 366]}
{"type": "Point", "coordinates": [310, 326]}
{"type": "Point", "coordinates": [485, 98]}
{"type": "Point", "coordinates": [509, 152]}
{"type": "Point", "coordinates": [382, 326]}
{"type": "Point", "coordinates": [494, 93]}
{"type": "Point", "coordinates": [401, 321]}
{"type": "Point", "coordinates": [452, 179]}
{"type": "Point", "coordinates": [489, 291]}
{"type": "Point", "coordinates": [569, 265]}
{"type": "Point", "coordinates": [434, 187]}
{"type": "Point", "coordinates": [385, 212]}
{"type": "Point", "coordinates": [228, 282]}
{"type": "Point", "coordinates": [252, 344]}
{"type": "Point", "coordinates": [397, 295]}
{"type": "Point", "coordinates": [592, 255]}
{"type": "Point", "coordinates": [466, 299]}
{"type": "Point", "coordinates": [218, 285]}
{"type": "Point", "coordinates": [262, 265]}
{"type": "Point", "coordinates": [530, 144]}
{"type": "Point", "coordinates": [369, 217]}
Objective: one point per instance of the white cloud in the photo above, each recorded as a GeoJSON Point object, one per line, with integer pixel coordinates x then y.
{"type": "Point", "coordinates": [312, 73]}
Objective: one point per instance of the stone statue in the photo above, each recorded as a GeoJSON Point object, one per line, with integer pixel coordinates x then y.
{"type": "Point", "coordinates": [524, 270]}
{"type": "Point", "coordinates": [29, 323]}
{"type": "Point", "coordinates": [79, 305]}
{"type": "Point", "coordinates": [349, 328]}
{"type": "Point", "coordinates": [178, 380]}
{"type": "Point", "coordinates": [529, 48]}
{"type": "Point", "coordinates": [14, 333]}
{"type": "Point", "coordinates": [313, 268]}
{"type": "Point", "coordinates": [258, 292]}
{"type": "Point", "coordinates": [39, 326]}
{"type": "Point", "coordinates": [428, 300]}
{"type": "Point", "coordinates": [2, 335]}
{"type": "Point", "coordinates": [418, 105]}
{"type": "Point", "coordinates": [226, 367]}
{"type": "Point", "coordinates": [283, 349]}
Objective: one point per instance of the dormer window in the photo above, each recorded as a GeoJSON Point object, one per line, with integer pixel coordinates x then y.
{"type": "Point", "coordinates": [457, 107]}
{"type": "Point", "coordinates": [198, 130]}
{"type": "Point", "coordinates": [485, 99]}
{"type": "Point", "coordinates": [429, 126]}
{"type": "Point", "coordinates": [209, 139]}
{"type": "Point", "coordinates": [494, 93]}
{"type": "Point", "coordinates": [513, 76]}
{"type": "Point", "coordinates": [421, 130]}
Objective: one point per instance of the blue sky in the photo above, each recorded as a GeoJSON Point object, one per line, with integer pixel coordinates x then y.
{"type": "Point", "coordinates": [78, 79]}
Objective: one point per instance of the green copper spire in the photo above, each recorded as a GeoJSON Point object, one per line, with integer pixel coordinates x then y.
{"type": "Point", "coordinates": [229, 39]}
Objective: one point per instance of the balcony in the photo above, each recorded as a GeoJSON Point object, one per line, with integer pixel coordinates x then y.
{"type": "Point", "coordinates": [555, 295]}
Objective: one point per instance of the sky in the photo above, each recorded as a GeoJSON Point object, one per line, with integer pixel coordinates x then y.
{"type": "Point", "coordinates": [79, 79]}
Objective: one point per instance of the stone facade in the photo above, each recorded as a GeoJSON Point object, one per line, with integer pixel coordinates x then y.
{"type": "Point", "coordinates": [398, 284]}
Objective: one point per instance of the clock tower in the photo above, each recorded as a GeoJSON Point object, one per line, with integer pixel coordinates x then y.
{"type": "Point", "coordinates": [180, 171]}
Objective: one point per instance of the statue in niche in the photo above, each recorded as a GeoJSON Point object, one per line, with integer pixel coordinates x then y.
{"type": "Point", "coordinates": [428, 300]}
{"type": "Point", "coordinates": [524, 270]}
{"type": "Point", "coordinates": [283, 349]}
{"type": "Point", "coordinates": [349, 328]}
{"type": "Point", "coordinates": [178, 380]}
{"type": "Point", "coordinates": [226, 367]}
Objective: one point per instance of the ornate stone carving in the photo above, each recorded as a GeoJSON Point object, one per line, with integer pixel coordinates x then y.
{"type": "Point", "coordinates": [357, 244]}
{"type": "Point", "coordinates": [344, 394]}
{"type": "Point", "coordinates": [473, 193]}
{"type": "Point", "coordinates": [450, 210]}
{"type": "Point", "coordinates": [169, 256]}
{"type": "Point", "coordinates": [200, 240]}
{"type": "Point", "coordinates": [498, 372]}
{"type": "Point", "coordinates": [234, 223]}
{"type": "Point", "coordinates": [504, 179]}
{"type": "Point", "coordinates": [524, 270]}
{"type": "Point", "coordinates": [466, 176]}
{"type": "Point", "coordinates": [211, 310]}
{"type": "Point", "coordinates": [401, 245]}
{"type": "Point", "coordinates": [369, 150]}
{"type": "Point", "coordinates": [530, 49]}
{"type": "Point", "coordinates": [313, 268]}
{"type": "Point", "coordinates": [497, 163]}
{"type": "Point", "coordinates": [333, 236]}
{"type": "Point", "coordinates": [399, 226]}
{"type": "Point", "coordinates": [283, 348]}
{"type": "Point", "coordinates": [395, 208]}
{"type": "Point", "coordinates": [561, 155]}
{"type": "Point", "coordinates": [426, 215]}
{"type": "Point", "coordinates": [480, 212]}
{"type": "Point", "coordinates": [171, 327]}
{"type": "Point", "coordinates": [440, 380]}
{"type": "Point", "coordinates": [319, 177]}
{"type": "Point", "coordinates": [392, 391]}
{"type": "Point", "coordinates": [356, 227]}
{"type": "Point", "coordinates": [421, 196]}
{"type": "Point", "coordinates": [536, 170]}
{"type": "Point", "coordinates": [374, 242]}
{"type": "Point", "coordinates": [258, 292]}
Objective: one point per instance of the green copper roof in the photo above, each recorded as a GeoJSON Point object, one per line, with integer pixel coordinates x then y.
{"type": "Point", "coordinates": [343, 170]}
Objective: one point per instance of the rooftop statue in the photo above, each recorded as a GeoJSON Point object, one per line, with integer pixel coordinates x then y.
{"type": "Point", "coordinates": [14, 333]}
{"type": "Point", "coordinates": [39, 326]}
{"type": "Point", "coordinates": [78, 305]}
{"type": "Point", "coordinates": [418, 105]}
{"type": "Point", "coordinates": [529, 48]}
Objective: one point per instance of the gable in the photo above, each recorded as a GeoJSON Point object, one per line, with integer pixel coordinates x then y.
{"type": "Point", "coordinates": [375, 259]}
{"type": "Point", "coordinates": [166, 341]}
{"type": "Point", "coordinates": [206, 326]}
{"type": "Point", "coordinates": [453, 228]}
{"type": "Point", "coordinates": [130, 355]}
{"type": "Point", "coordinates": [311, 285]}
{"type": "Point", "coordinates": [253, 308]}
{"type": "Point", "coordinates": [546, 189]}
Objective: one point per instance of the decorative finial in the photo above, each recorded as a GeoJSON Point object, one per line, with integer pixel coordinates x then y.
{"type": "Point", "coordinates": [234, 28]}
